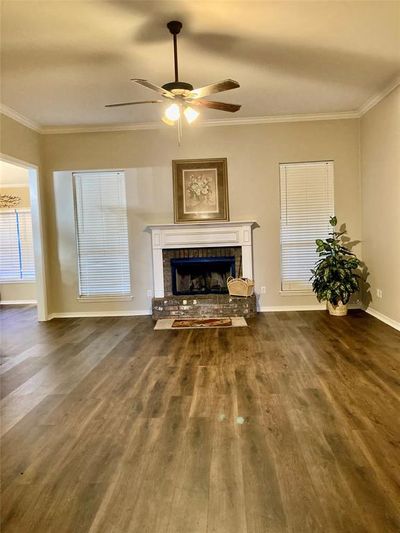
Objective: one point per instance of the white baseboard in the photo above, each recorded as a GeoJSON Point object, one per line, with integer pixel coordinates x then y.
{"type": "Point", "coordinates": [88, 314]}
{"type": "Point", "coordinates": [383, 318]}
{"type": "Point", "coordinates": [142, 312]}
{"type": "Point", "coordinates": [310, 307]}
{"type": "Point", "coordinates": [278, 308]}
{"type": "Point", "coordinates": [18, 302]}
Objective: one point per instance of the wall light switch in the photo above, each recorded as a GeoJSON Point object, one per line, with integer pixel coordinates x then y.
{"type": "Point", "coordinates": [263, 290]}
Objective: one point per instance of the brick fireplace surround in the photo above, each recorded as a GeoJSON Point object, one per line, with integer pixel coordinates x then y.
{"type": "Point", "coordinates": [200, 240]}
{"type": "Point", "coordinates": [186, 253]}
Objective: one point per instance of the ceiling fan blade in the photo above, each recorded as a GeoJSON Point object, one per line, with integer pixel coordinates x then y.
{"type": "Point", "coordinates": [219, 87]}
{"type": "Point", "coordinates": [135, 103]}
{"type": "Point", "coordinates": [221, 106]}
{"type": "Point", "coordinates": [153, 87]}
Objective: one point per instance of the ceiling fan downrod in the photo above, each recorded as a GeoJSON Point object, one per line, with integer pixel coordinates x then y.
{"type": "Point", "coordinates": [179, 87]}
{"type": "Point", "coordinates": [175, 27]}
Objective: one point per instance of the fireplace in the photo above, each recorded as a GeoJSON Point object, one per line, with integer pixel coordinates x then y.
{"type": "Point", "coordinates": [201, 275]}
{"type": "Point", "coordinates": [191, 264]}
{"type": "Point", "coordinates": [200, 270]}
{"type": "Point", "coordinates": [211, 239]}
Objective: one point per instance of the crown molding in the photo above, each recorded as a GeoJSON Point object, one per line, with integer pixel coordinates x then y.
{"type": "Point", "coordinates": [242, 121]}
{"type": "Point", "coordinates": [51, 130]}
{"type": "Point", "coordinates": [374, 100]}
{"type": "Point", "coordinates": [234, 121]}
{"type": "Point", "coordinates": [11, 113]}
{"type": "Point", "coordinates": [273, 119]}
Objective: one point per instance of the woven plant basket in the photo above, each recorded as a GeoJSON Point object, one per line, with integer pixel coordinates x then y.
{"type": "Point", "coordinates": [337, 310]}
{"type": "Point", "coordinates": [240, 286]}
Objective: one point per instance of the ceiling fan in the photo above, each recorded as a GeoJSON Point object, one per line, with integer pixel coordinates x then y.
{"type": "Point", "coordinates": [181, 94]}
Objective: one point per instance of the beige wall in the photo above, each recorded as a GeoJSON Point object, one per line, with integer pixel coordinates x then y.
{"type": "Point", "coordinates": [18, 141]}
{"type": "Point", "coordinates": [18, 292]}
{"type": "Point", "coordinates": [380, 165]}
{"type": "Point", "coordinates": [253, 152]}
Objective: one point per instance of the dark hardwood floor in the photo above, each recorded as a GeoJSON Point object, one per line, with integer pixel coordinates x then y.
{"type": "Point", "coordinates": [289, 425]}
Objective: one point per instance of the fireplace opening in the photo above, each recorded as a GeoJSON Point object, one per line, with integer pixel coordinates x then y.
{"type": "Point", "coordinates": [201, 275]}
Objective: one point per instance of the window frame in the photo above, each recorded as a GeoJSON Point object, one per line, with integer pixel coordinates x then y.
{"type": "Point", "coordinates": [302, 291]}
{"type": "Point", "coordinates": [100, 297]}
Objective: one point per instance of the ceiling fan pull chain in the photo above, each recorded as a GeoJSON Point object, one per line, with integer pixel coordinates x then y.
{"type": "Point", "coordinates": [179, 128]}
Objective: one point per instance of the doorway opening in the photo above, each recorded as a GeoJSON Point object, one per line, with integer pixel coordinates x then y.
{"type": "Point", "coordinates": [22, 268]}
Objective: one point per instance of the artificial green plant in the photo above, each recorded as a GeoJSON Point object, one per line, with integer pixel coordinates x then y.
{"type": "Point", "coordinates": [333, 277]}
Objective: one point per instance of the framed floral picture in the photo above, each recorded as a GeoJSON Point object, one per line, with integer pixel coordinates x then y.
{"type": "Point", "coordinates": [200, 190]}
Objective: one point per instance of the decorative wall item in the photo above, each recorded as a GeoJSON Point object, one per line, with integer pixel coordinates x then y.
{"type": "Point", "coordinates": [9, 201]}
{"type": "Point", "coordinates": [200, 190]}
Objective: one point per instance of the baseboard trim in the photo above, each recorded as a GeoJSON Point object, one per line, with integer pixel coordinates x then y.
{"type": "Point", "coordinates": [310, 307]}
{"type": "Point", "coordinates": [18, 302]}
{"type": "Point", "coordinates": [383, 318]}
{"type": "Point", "coordinates": [279, 308]}
{"type": "Point", "coordinates": [99, 314]}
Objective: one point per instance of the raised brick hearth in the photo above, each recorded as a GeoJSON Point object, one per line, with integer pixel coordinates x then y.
{"type": "Point", "coordinates": [209, 305]}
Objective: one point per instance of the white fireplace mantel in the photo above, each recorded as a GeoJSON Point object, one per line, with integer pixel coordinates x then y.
{"type": "Point", "coordinates": [201, 235]}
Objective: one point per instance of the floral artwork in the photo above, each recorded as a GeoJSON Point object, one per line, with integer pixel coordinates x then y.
{"type": "Point", "coordinates": [200, 191]}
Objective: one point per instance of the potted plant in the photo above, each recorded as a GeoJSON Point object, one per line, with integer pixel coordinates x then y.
{"type": "Point", "coordinates": [334, 278]}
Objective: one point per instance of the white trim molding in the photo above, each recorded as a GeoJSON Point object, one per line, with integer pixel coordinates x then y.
{"type": "Point", "coordinates": [18, 302]}
{"type": "Point", "coordinates": [89, 314]}
{"type": "Point", "coordinates": [383, 318]}
{"type": "Point", "coordinates": [25, 121]}
{"type": "Point", "coordinates": [280, 308]}
{"type": "Point", "coordinates": [374, 100]}
{"type": "Point", "coordinates": [236, 121]}
{"type": "Point", "coordinates": [308, 307]}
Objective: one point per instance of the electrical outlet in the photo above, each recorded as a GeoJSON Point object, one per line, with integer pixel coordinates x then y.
{"type": "Point", "coordinates": [263, 290]}
{"type": "Point", "coordinates": [379, 293]}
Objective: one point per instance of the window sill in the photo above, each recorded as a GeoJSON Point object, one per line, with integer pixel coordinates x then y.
{"type": "Point", "coordinates": [297, 293]}
{"type": "Point", "coordinates": [15, 281]}
{"type": "Point", "coordinates": [104, 298]}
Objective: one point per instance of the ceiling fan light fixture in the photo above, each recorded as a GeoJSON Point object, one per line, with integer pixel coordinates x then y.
{"type": "Point", "coordinates": [172, 113]}
{"type": "Point", "coordinates": [180, 94]}
{"type": "Point", "coordinates": [190, 114]}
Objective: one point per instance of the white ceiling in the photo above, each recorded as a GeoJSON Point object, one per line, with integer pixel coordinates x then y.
{"type": "Point", "coordinates": [62, 61]}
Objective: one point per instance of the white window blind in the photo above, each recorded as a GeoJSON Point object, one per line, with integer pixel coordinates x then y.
{"type": "Point", "coordinates": [17, 261]}
{"type": "Point", "coordinates": [307, 203]}
{"type": "Point", "coordinates": [102, 234]}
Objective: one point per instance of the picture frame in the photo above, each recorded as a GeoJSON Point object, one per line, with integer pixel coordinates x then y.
{"type": "Point", "coordinates": [200, 190]}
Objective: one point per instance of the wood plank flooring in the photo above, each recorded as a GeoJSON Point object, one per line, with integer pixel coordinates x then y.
{"type": "Point", "coordinates": [289, 425]}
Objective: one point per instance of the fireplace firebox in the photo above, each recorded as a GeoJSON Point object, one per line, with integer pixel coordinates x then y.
{"type": "Point", "coordinates": [201, 275]}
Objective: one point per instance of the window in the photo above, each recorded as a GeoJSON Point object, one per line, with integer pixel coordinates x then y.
{"type": "Point", "coordinates": [102, 234]}
{"type": "Point", "coordinates": [17, 261]}
{"type": "Point", "coordinates": [306, 205]}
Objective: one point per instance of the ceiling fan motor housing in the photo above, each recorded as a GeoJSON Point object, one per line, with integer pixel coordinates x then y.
{"type": "Point", "coordinates": [180, 88]}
